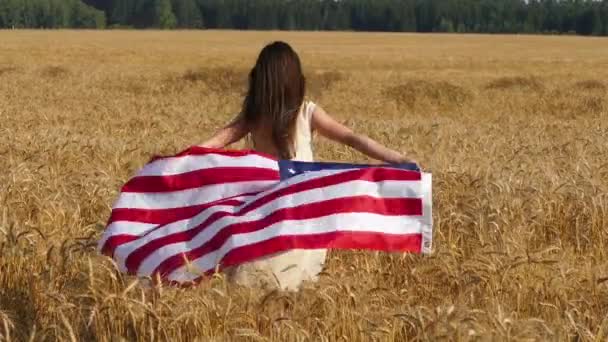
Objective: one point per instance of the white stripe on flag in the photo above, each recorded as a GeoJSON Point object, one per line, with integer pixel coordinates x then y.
{"type": "Point", "coordinates": [427, 212]}
{"type": "Point", "coordinates": [177, 165]}
{"type": "Point", "coordinates": [189, 197]}
{"type": "Point", "coordinates": [125, 227]}
{"type": "Point", "coordinates": [347, 222]}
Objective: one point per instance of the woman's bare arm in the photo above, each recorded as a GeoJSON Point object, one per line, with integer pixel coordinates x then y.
{"type": "Point", "coordinates": [231, 133]}
{"type": "Point", "coordinates": [334, 130]}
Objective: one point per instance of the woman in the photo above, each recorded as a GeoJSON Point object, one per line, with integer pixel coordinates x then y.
{"type": "Point", "coordinates": [280, 123]}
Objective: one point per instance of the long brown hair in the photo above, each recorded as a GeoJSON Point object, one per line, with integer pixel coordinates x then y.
{"type": "Point", "coordinates": [276, 93]}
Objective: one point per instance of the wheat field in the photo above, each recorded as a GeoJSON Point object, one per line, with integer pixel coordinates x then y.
{"type": "Point", "coordinates": [513, 128]}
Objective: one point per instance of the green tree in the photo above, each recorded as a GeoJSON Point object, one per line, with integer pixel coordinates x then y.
{"type": "Point", "coordinates": [12, 13]}
{"type": "Point", "coordinates": [121, 12]}
{"type": "Point", "coordinates": [604, 17]}
{"type": "Point", "coordinates": [165, 19]}
{"type": "Point", "coordinates": [445, 25]}
{"type": "Point", "coordinates": [426, 15]}
{"type": "Point", "coordinates": [585, 21]}
{"type": "Point", "coordinates": [597, 20]}
{"type": "Point", "coordinates": [59, 14]}
{"type": "Point", "coordinates": [187, 14]}
{"type": "Point", "coordinates": [84, 16]}
{"type": "Point", "coordinates": [408, 16]}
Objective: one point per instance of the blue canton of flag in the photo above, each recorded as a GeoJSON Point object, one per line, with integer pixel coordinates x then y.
{"type": "Point", "coordinates": [291, 168]}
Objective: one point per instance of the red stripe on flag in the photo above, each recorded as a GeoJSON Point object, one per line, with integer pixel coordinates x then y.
{"type": "Point", "coordinates": [159, 216]}
{"type": "Point", "coordinates": [342, 239]}
{"type": "Point", "coordinates": [163, 216]}
{"type": "Point", "coordinates": [386, 206]}
{"type": "Point", "coordinates": [199, 178]}
{"type": "Point", "coordinates": [369, 175]}
{"type": "Point", "coordinates": [335, 240]}
{"type": "Point", "coordinates": [114, 241]}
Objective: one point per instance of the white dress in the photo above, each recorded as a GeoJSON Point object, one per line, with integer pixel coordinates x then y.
{"type": "Point", "coordinates": [286, 270]}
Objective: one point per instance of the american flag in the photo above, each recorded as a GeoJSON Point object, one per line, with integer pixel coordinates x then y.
{"type": "Point", "coordinates": [185, 216]}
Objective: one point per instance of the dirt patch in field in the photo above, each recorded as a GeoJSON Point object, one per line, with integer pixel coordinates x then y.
{"type": "Point", "coordinates": [321, 81]}
{"type": "Point", "coordinates": [590, 85]}
{"type": "Point", "coordinates": [54, 71]}
{"type": "Point", "coordinates": [421, 92]}
{"type": "Point", "coordinates": [573, 104]}
{"type": "Point", "coordinates": [217, 79]}
{"type": "Point", "coordinates": [516, 83]}
{"type": "Point", "coordinates": [135, 86]}
{"type": "Point", "coordinates": [130, 85]}
{"type": "Point", "coordinates": [4, 70]}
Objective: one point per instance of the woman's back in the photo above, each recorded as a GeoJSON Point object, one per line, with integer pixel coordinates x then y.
{"type": "Point", "coordinates": [286, 270]}
{"type": "Point", "coordinates": [262, 141]}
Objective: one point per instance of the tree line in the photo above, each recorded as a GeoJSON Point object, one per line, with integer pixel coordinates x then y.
{"type": "Point", "coordinates": [585, 17]}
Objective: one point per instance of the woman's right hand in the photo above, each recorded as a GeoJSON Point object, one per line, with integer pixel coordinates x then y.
{"type": "Point", "coordinates": [407, 160]}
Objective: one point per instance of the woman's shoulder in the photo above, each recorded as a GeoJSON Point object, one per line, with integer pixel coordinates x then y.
{"type": "Point", "coordinates": [309, 102]}
{"type": "Point", "coordinates": [308, 107]}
